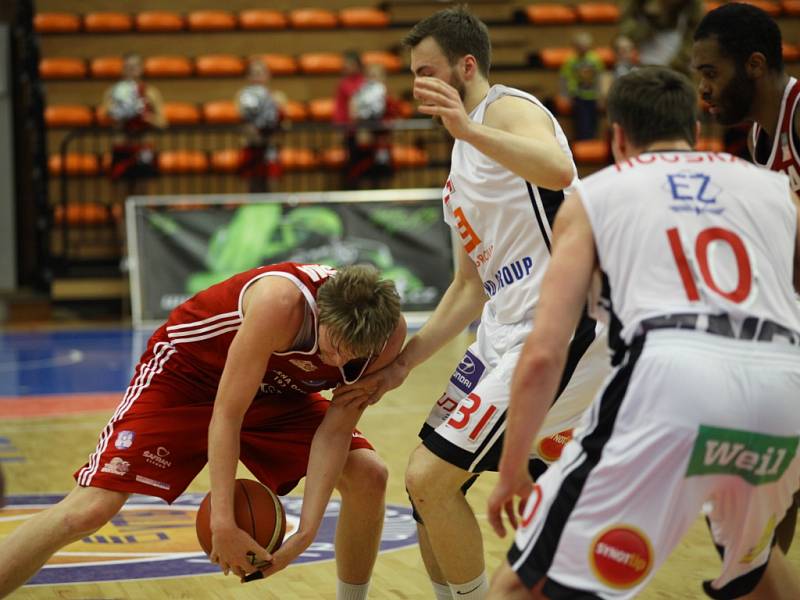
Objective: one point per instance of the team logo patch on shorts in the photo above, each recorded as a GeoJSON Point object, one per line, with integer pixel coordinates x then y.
{"type": "Point", "coordinates": [621, 556]}
{"type": "Point", "coordinates": [468, 373]}
{"type": "Point", "coordinates": [550, 448]}
{"type": "Point", "coordinates": [150, 539]}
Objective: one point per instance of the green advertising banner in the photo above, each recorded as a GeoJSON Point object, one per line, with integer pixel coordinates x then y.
{"type": "Point", "coordinates": [179, 249]}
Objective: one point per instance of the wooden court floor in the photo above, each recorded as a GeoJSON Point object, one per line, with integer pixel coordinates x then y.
{"type": "Point", "coordinates": [54, 446]}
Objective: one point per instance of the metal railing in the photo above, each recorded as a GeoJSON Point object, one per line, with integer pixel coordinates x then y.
{"type": "Point", "coordinates": [87, 234]}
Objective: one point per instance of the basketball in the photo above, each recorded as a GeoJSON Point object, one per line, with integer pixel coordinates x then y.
{"type": "Point", "coordinates": [257, 511]}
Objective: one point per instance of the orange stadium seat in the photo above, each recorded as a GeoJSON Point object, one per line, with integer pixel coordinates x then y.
{"type": "Point", "coordinates": [62, 68]}
{"type": "Point", "coordinates": [106, 67]}
{"type": "Point", "coordinates": [321, 62]}
{"type": "Point", "coordinates": [321, 109]}
{"type": "Point", "coordinates": [606, 54]}
{"type": "Point", "coordinates": [312, 18]}
{"type": "Point", "coordinates": [56, 22]}
{"type": "Point", "coordinates": [563, 105]}
{"type": "Point", "coordinates": [221, 112]}
{"type": "Point", "coordinates": [258, 19]}
{"type": "Point", "coordinates": [226, 161]}
{"type": "Point", "coordinates": [219, 65]}
{"type": "Point", "coordinates": [773, 9]}
{"type": "Point", "coordinates": [598, 12]}
{"type": "Point", "coordinates": [791, 8]}
{"type": "Point", "coordinates": [159, 20]}
{"type": "Point", "coordinates": [182, 161]}
{"type": "Point", "coordinates": [102, 118]}
{"type": "Point", "coordinates": [409, 156]}
{"type": "Point", "coordinates": [550, 14]}
{"type": "Point", "coordinates": [279, 64]}
{"type": "Point", "coordinates": [705, 144]}
{"type": "Point", "coordinates": [167, 66]}
{"type": "Point", "coordinates": [107, 22]}
{"type": "Point", "coordinates": [590, 151]}
{"type": "Point", "coordinates": [391, 62]}
{"type": "Point", "coordinates": [181, 113]}
{"type": "Point", "coordinates": [363, 16]}
{"type": "Point", "coordinates": [76, 164]}
{"type": "Point", "coordinates": [68, 115]}
{"type": "Point", "coordinates": [211, 20]}
{"type": "Point", "coordinates": [553, 58]}
{"type": "Point", "coordinates": [81, 213]}
{"type": "Point", "coordinates": [333, 158]}
{"type": "Point", "coordinates": [297, 159]}
{"type": "Point", "coordinates": [294, 111]}
{"type": "Point", "coordinates": [791, 52]}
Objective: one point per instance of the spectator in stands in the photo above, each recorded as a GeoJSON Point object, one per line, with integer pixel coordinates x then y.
{"type": "Point", "coordinates": [580, 83]}
{"type": "Point", "coordinates": [625, 61]}
{"type": "Point", "coordinates": [350, 83]}
{"type": "Point", "coordinates": [260, 109]}
{"type": "Point", "coordinates": [662, 30]}
{"type": "Point", "coordinates": [135, 108]}
{"type": "Point", "coordinates": [370, 107]}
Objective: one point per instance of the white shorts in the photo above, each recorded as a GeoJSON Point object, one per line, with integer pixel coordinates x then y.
{"type": "Point", "coordinates": [688, 420]}
{"type": "Point", "coordinates": [466, 425]}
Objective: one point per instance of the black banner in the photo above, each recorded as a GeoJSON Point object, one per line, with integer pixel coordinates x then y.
{"type": "Point", "coordinates": [183, 250]}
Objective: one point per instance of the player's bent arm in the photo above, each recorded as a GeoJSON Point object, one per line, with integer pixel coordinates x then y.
{"type": "Point", "coordinates": [158, 119]}
{"type": "Point", "coordinates": [538, 372]}
{"type": "Point", "coordinates": [272, 308]}
{"type": "Point", "coordinates": [327, 457]}
{"type": "Point", "coordinates": [460, 305]}
{"type": "Point", "coordinates": [520, 136]}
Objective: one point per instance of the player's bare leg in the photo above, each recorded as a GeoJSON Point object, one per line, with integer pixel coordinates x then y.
{"type": "Point", "coordinates": [358, 532]}
{"type": "Point", "coordinates": [779, 582]}
{"type": "Point", "coordinates": [32, 544]}
{"type": "Point", "coordinates": [435, 574]}
{"type": "Point", "coordinates": [455, 537]}
{"type": "Point", "coordinates": [506, 585]}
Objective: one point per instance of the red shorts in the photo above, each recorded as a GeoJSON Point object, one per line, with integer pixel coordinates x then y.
{"type": "Point", "coordinates": [157, 440]}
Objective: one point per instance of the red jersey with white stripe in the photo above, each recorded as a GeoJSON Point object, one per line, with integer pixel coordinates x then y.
{"type": "Point", "coordinates": [780, 153]}
{"type": "Point", "coordinates": [195, 339]}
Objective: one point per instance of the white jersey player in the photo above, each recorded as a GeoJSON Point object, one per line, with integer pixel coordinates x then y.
{"type": "Point", "coordinates": [702, 406]}
{"type": "Point", "coordinates": [510, 165]}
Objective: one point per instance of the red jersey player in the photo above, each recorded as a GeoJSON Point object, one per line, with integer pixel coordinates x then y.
{"type": "Point", "coordinates": [236, 372]}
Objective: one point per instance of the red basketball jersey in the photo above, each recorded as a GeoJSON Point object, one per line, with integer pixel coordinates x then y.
{"type": "Point", "coordinates": [196, 337]}
{"type": "Point", "coordinates": [781, 153]}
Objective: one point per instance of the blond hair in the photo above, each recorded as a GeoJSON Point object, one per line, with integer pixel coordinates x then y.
{"type": "Point", "coordinates": [360, 309]}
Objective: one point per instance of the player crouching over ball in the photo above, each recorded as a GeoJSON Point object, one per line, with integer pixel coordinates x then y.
{"type": "Point", "coordinates": [235, 373]}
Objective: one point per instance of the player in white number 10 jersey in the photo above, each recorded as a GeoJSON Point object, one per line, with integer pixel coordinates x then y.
{"type": "Point", "coordinates": [699, 253]}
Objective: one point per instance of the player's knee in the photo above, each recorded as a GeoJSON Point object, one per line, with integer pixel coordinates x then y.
{"type": "Point", "coordinates": [365, 472]}
{"type": "Point", "coordinates": [86, 511]}
{"type": "Point", "coordinates": [423, 479]}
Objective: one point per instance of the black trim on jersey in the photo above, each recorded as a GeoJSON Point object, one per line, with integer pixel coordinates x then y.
{"type": "Point", "coordinates": [556, 591]}
{"type": "Point", "coordinates": [615, 341]}
{"type": "Point", "coordinates": [583, 338]}
{"type": "Point", "coordinates": [461, 458]}
{"type": "Point", "coordinates": [551, 202]}
{"type": "Point", "coordinates": [545, 544]}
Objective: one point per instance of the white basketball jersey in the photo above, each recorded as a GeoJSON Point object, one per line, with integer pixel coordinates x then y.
{"type": "Point", "coordinates": [502, 220]}
{"type": "Point", "coordinates": [693, 232]}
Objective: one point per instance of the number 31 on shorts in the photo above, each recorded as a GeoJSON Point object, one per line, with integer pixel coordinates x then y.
{"type": "Point", "coordinates": [469, 410]}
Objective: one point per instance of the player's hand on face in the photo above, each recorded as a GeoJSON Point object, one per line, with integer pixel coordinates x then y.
{"type": "Point", "coordinates": [235, 551]}
{"type": "Point", "coordinates": [502, 500]}
{"type": "Point", "coordinates": [371, 388]}
{"type": "Point", "coordinates": [440, 99]}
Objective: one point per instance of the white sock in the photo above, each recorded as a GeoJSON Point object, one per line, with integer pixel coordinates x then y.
{"type": "Point", "coordinates": [442, 591]}
{"type": "Point", "coordinates": [351, 591]}
{"type": "Point", "coordinates": [477, 589]}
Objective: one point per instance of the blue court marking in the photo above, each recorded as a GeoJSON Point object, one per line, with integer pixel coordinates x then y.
{"type": "Point", "coordinates": [68, 362]}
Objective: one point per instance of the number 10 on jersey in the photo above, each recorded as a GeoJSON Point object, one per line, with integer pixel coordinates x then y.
{"type": "Point", "coordinates": [703, 243]}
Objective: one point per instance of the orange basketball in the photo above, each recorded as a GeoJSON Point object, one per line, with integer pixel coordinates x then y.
{"type": "Point", "coordinates": [257, 510]}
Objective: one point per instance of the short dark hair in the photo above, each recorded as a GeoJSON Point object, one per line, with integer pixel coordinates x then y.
{"type": "Point", "coordinates": [458, 33]}
{"type": "Point", "coordinates": [652, 104]}
{"type": "Point", "coordinates": [742, 29]}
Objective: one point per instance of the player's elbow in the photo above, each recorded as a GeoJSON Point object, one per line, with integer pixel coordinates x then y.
{"type": "Point", "coordinates": [540, 361]}
{"type": "Point", "coordinates": [563, 174]}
